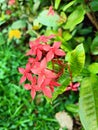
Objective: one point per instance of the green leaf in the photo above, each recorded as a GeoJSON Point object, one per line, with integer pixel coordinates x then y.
{"type": "Point", "coordinates": [1, 1]}
{"type": "Point", "coordinates": [48, 20]}
{"type": "Point", "coordinates": [94, 46]}
{"type": "Point", "coordinates": [94, 5]}
{"type": "Point", "coordinates": [76, 60]}
{"type": "Point", "coordinates": [75, 18]}
{"type": "Point", "coordinates": [88, 103]}
{"type": "Point", "coordinates": [57, 3]}
{"type": "Point", "coordinates": [68, 5]}
{"type": "Point", "coordinates": [72, 108]}
{"type": "Point", "coordinates": [19, 24]}
{"type": "Point", "coordinates": [2, 40]}
{"type": "Point", "coordinates": [93, 68]}
{"type": "Point", "coordinates": [67, 36]}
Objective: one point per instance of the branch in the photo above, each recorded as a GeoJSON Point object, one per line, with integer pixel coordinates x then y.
{"type": "Point", "coordinates": [93, 20]}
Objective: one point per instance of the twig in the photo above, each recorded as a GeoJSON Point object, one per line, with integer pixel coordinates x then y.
{"type": "Point", "coordinates": [93, 20]}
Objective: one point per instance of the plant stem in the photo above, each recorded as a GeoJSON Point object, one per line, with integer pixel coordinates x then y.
{"type": "Point", "coordinates": [93, 20]}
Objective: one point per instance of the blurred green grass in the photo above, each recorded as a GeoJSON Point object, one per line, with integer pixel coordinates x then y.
{"type": "Point", "coordinates": [17, 109]}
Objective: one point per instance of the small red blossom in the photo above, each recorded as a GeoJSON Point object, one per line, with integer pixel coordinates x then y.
{"type": "Point", "coordinates": [51, 11]}
{"type": "Point", "coordinates": [73, 86]}
{"type": "Point", "coordinates": [11, 2]}
{"type": "Point", "coordinates": [35, 50]}
{"type": "Point", "coordinates": [33, 87]}
{"type": "Point", "coordinates": [42, 72]}
{"type": "Point", "coordinates": [8, 12]}
{"type": "Point", "coordinates": [54, 50]}
{"type": "Point", "coordinates": [26, 73]}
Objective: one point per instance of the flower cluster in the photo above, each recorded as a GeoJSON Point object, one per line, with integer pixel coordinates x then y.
{"type": "Point", "coordinates": [40, 77]}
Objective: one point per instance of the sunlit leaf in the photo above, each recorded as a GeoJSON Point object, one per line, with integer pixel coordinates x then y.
{"type": "Point", "coordinates": [76, 60]}
{"type": "Point", "coordinates": [48, 20]}
{"type": "Point", "coordinates": [88, 103]}
{"type": "Point", "coordinates": [19, 24]}
{"type": "Point", "coordinates": [75, 18]}
{"type": "Point", "coordinates": [93, 68]}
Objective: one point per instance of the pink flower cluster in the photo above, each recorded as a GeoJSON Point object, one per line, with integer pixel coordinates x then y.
{"type": "Point", "coordinates": [40, 77]}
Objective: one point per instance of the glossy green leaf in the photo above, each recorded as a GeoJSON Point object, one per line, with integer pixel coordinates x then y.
{"type": "Point", "coordinates": [48, 20]}
{"type": "Point", "coordinates": [72, 108]}
{"type": "Point", "coordinates": [93, 68]}
{"type": "Point", "coordinates": [88, 103]}
{"type": "Point", "coordinates": [75, 18]}
{"type": "Point", "coordinates": [67, 36]}
{"type": "Point", "coordinates": [19, 24]}
{"type": "Point", "coordinates": [57, 3]}
{"type": "Point", "coordinates": [76, 59]}
{"type": "Point", "coordinates": [94, 46]}
{"type": "Point", "coordinates": [68, 5]}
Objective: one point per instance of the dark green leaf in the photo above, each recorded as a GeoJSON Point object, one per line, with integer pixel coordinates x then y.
{"type": "Point", "coordinates": [94, 46]}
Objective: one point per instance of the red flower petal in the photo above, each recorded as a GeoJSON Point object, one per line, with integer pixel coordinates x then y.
{"type": "Point", "coordinates": [47, 92]}
{"type": "Point", "coordinates": [40, 79]}
{"type": "Point", "coordinates": [27, 86]}
{"type": "Point", "coordinates": [23, 78]}
{"type": "Point", "coordinates": [56, 44]}
{"type": "Point", "coordinates": [55, 83]}
{"type": "Point", "coordinates": [34, 80]}
{"type": "Point", "coordinates": [28, 67]}
{"type": "Point", "coordinates": [50, 55]}
{"type": "Point", "coordinates": [30, 52]}
{"type": "Point", "coordinates": [33, 93]}
{"type": "Point", "coordinates": [43, 64]}
{"type": "Point", "coordinates": [21, 70]}
{"type": "Point", "coordinates": [51, 11]}
{"type": "Point", "coordinates": [46, 47]}
{"type": "Point", "coordinates": [76, 85]}
{"type": "Point", "coordinates": [50, 74]}
{"type": "Point", "coordinates": [59, 52]}
{"type": "Point", "coordinates": [39, 54]}
{"type": "Point", "coordinates": [29, 76]}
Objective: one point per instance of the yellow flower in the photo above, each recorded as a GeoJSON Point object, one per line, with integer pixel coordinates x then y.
{"type": "Point", "coordinates": [14, 33]}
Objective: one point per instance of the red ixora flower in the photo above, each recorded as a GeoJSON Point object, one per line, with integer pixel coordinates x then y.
{"type": "Point", "coordinates": [26, 73]}
{"type": "Point", "coordinates": [54, 50]}
{"type": "Point", "coordinates": [42, 72]}
{"type": "Point", "coordinates": [48, 86]}
{"type": "Point", "coordinates": [11, 2]}
{"type": "Point", "coordinates": [51, 11]}
{"type": "Point", "coordinates": [8, 12]}
{"type": "Point", "coordinates": [36, 72]}
{"type": "Point", "coordinates": [33, 87]}
{"type": "Point", "coordinates": [73, 86]}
